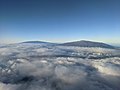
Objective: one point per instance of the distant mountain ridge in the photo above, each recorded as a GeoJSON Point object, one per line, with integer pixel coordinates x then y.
{"type": "Point", "coordinates": [82, 43]}
{"type": "Point", "coordinates": [34, 42]}
{"type": "Point", "coordinates": [38, 42]}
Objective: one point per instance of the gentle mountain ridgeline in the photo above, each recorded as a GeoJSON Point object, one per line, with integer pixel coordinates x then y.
{"type": "Point", "coordinates": [88, 44]}
{"type": "Point", "coordinates": [81, 43]}
{"type": "Point", "coordinates": [35, 42]}
{"type": "Point", "coordinates": [81, 65]}
{"type": "Point", "coordinates": [40, 42]}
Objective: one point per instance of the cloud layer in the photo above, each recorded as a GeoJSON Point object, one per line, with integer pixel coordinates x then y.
{"type": "Point", "coordinates": [44, 67]}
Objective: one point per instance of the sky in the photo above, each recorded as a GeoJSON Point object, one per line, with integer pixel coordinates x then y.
{"type": "Point", "coordinates": [59, 20]}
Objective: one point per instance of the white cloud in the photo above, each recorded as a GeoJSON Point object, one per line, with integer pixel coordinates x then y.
{"type": "Point", "coordinates": [37, 67]}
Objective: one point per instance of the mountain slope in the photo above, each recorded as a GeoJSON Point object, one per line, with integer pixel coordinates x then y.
{"type": "Point", "coordinates": [88, 44]}
{"type": "Point", "coordinates": [39, 42]}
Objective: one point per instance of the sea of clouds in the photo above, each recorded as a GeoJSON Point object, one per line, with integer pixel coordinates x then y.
{"type": "Point", "coordinates": [47, 67]}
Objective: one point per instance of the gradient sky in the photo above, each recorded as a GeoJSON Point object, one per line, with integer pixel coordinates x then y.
{"type": "Point", "coordinates": [60, 20]}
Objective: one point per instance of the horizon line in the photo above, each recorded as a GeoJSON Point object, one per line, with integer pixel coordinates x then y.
{"type": "Point", "coordinates": [58, 41]}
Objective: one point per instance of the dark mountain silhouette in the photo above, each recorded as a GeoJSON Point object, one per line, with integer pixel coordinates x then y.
{"type": "Point", "coordinates": [81, 43]}
{"type": "Point", "coordinates": [38, 42]}
{"type": "Point", "coordinates": [84, 43]}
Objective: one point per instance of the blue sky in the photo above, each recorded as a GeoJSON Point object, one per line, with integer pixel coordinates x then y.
{"type": "Point", "coordinates": [60, 20]}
